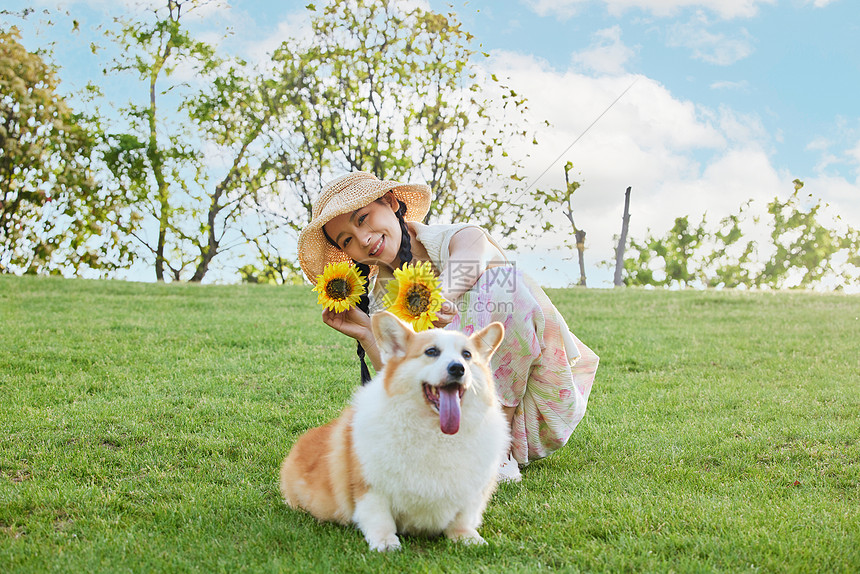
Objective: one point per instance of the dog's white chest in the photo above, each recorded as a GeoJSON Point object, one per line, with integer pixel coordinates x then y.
{"type": "Point", "coordinates": [427, 477]}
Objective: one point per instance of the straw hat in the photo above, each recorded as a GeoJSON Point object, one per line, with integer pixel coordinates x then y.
{"type": "Point", "coordinates": [344, 195]}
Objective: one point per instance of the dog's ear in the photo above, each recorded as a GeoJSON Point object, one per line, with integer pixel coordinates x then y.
{"type": "Point", "coordinates": [488, 339]}
{"type": "Point", "coordinates": [392, 335]}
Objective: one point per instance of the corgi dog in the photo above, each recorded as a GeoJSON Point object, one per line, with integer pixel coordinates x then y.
{"type": "Point", "coordinates": [418, 449]}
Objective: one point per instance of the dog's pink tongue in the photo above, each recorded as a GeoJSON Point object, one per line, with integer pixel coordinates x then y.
{"type": "Point", "coordinates": [449, 409]}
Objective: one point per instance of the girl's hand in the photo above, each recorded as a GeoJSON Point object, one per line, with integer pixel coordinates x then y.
{"type": "Point", "coordinates": [353, 322]}
{"type": "Point", "coordinates": [445, 315]}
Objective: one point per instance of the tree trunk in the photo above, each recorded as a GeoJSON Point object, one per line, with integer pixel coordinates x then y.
{"type": "Point", "coordinates": [155, 159]}
{"type": "Point", "coordinates": [622, 241]}
{"type": "Point", "coordinates": [157, 162]}
{"type": "Point", "coordinates": [580, 247]}
{"type": "Point", "coordinates": [208, 253]}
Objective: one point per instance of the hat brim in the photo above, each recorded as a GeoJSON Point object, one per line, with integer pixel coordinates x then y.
{"type": "Point", "coordinates": [315, 251]}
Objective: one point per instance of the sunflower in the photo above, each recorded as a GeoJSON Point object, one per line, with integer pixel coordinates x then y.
{"type": "Point", "coordinates": [414, 295]}
{"type": "Point", "coordinates": [340, 286]}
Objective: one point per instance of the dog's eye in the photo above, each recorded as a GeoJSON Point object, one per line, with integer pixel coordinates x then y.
{"type": "Point", "coordinates": [467, 354]}
{"type": "Point", "coordinates": [432, 352]}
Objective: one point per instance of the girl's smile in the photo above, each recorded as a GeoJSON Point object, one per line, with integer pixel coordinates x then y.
{"type": "Point", "coordinates": [377, 247]}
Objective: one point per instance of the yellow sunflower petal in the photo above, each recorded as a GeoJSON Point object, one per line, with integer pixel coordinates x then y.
{"type": "Point", "coordinates": [414, 295]}
{"type": "Point", "coordinates": [339, 287]}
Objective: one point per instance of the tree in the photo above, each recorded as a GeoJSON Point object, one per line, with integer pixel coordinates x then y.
{"type": "Point", "coordinates": [672, 256]}
{"type": "Point", "coordinates": [678, 250]}
{"type": "Point", "coordinates": [54, 216]}
{"type": "Point", "coordinates": [564, 198]}
{"type": "Point", "coordinates": [730, 262]}
{"type": "Point", "coordinates": [802, 244]}
{"type": "Point", "coordinates": [200, 209]}
{"type": "Point", "coordinates": [390, 89]}
{"type": "Point", "coordinates": [158, 168]}
{"type": "Point", "coordinates": [242, 114]}
{"type": "Point", "coordinates": [803, 252]}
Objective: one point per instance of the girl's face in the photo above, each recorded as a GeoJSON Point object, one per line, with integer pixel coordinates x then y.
{"type": "Point", "coordinates": [369, 235]}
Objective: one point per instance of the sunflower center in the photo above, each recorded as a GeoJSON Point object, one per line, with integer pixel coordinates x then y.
{"type": "Point", "coordinates": [417, 299]}
{"type": "Point", "coordinates": [338, 288]}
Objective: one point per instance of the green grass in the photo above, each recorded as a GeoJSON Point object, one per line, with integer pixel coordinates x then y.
{"type": "Point", "coordinates": [142, 426]}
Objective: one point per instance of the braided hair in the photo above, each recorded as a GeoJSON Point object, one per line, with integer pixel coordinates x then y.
{"type": "Point", "coordinates": [404, 254]}
{"type": "Point", "coordinates": [364, 305]}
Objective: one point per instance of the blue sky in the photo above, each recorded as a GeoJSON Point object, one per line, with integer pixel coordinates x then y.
{"type": "Point", "coordinates": [793, 66]}
{"type": "Point", "coordinates": [732, 99]}
{"type": "Point", "coordinates": [786, 59]}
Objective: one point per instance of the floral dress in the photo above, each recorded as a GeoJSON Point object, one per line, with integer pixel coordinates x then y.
{"type": "Point", "coordinates": [540, 368]}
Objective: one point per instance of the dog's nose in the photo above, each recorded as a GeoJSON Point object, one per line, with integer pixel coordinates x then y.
{"type": "Point", "coordinates": [456, 369]}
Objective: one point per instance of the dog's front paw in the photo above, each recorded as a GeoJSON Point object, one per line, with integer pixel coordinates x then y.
{"type": "Point", "coordinates": [469, 536]}
{"type": "Point", "coordinates": [472, 540]}
{"type": "Point", "coordinates": [384, 543]}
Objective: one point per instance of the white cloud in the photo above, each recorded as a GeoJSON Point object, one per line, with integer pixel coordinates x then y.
{"type": "Point", "coordinates": [854, 156]}
{"type": "Point", "coordinates": [563, 9]}
{"type": "Point", "coordinates": [741, 86]}
{"type": "Point", "coordinates": [822, 3]}
{"type": "Point", "coordinates": [842, 195]}
{"type": "Point", "coordinates": [726, 9]}
{"type": "Point", "coordinates": [643, 141]}
{"type": "Point", "coordinates": [818, 144]}
{"type": "Point", "coordinates": [679, 158]}
{"type": "Point", "coordinates": [607, 53]}
{"type": "Point", "coordinates": [714, 48]}
{"type": "Point", "coordinates": [839, 148]}
{"type": "Point", "coordinates": [740, 127]}
{"type": "Point", "coordinates": [826, 158]}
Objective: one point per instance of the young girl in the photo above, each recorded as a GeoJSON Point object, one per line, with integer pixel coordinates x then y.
{"type": "Point", "coordinates": [543, 372]}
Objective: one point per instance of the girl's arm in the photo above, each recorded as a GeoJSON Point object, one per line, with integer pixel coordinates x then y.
{"type": "Point", "coordinates": [372, 352]}
{"type": "Point", "coordinates": [470, 254]}
{"type": "Point", "coordinates": [356, 324]}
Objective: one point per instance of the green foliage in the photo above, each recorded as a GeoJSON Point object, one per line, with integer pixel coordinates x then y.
{"type": "Point", "coordinates": [665, 261]}
{"type": "Point", "coordinates": [678, 249]}
{"type": "Point", "coordinates": [388, 88]}
{"type": "Point", "coordinates": [54, 215]}
{"type": "Point", "coordinates": [279, 272]}
{"type": "Point", "coordinates": [803, 252]}
{"type": "Point", "coordinates": [727, 267]}
{"type": "Point", "coordinates": [802, 243]}
{"type": "Point", "coordinates": [718, 438]}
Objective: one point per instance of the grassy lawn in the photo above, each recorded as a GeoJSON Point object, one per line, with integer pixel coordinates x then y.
{"type": "Point", "coordinates": [142, 426]}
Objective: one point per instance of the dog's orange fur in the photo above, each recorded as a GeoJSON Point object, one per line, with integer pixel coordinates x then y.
{"type": "Point", "coordinates": [394, 362]}
{"type": "Point", "coordinates": [321, 473]}
{"type": "Point", "coordinates": [336, 479]}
